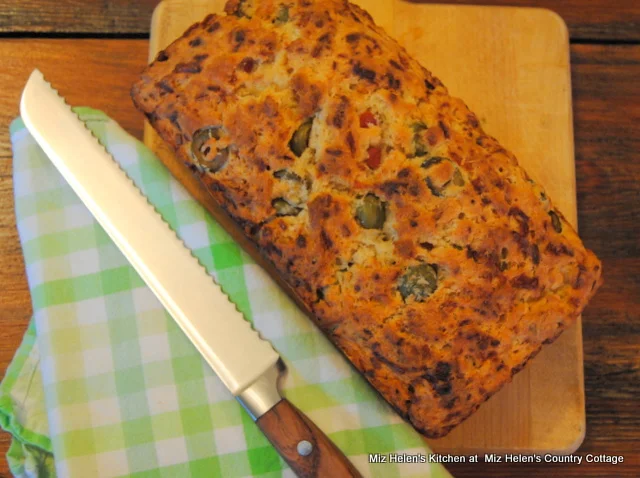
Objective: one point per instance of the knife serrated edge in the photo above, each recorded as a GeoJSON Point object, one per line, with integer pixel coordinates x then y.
{"type": "Point", "coordinates": [260, 374]}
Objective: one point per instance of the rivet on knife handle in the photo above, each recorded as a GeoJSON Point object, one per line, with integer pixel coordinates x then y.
{"type": "Point", "coordinates": [306, 449]}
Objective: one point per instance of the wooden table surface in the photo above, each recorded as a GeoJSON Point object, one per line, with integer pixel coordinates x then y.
{"type": "Point", "coordinates": [92, 51]}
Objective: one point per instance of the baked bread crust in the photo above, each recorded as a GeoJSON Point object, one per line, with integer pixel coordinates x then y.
{"type": "Point", "coordinates": [422, 248]}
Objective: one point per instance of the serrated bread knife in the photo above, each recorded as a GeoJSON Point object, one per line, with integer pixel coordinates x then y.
{"type": "Point", "coordinates": [246, 364]}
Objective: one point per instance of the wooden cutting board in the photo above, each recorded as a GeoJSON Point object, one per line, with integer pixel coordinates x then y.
{"type": "Point", "coordinates": [511, 66]}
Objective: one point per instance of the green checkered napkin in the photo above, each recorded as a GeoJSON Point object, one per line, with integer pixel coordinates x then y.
{"type": "Point", "coordinates": [105, 384]}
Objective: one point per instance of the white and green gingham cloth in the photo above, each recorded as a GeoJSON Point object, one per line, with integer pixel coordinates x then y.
{"type": "Point", "coordinates": [105, 384]}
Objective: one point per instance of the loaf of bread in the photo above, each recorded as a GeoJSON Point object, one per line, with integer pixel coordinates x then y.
{"type": "Point", "coordinates": [416, 241]}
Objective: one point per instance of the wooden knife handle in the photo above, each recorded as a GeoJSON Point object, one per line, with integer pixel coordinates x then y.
{"type": "Point", "coordinates": [287, 428]}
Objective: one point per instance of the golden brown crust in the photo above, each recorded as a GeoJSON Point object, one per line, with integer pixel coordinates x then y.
{"type": "Point", "coordinates": [466, 269]}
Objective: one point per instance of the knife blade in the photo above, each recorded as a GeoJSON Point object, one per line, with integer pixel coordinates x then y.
{"type": "Point", "coordinates": [245, 363]}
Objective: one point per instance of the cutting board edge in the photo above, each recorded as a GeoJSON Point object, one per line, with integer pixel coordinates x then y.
{"type": "Point", "coordinates": [543, 10]}
{"type": "Point", "coordinates": [569, 450]}
{"type": "Point", "coordinates": [557, 18]}
{"type": "Point", "coordinates": [577, 438]}
{"type": "Point", "coordinates": [153, 34]}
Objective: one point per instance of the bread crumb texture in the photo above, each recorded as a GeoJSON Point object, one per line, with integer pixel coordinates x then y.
{"type": "Point", "coordinates": [421, 247]}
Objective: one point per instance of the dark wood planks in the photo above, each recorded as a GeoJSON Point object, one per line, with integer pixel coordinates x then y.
{"type": "Point", "coordinates": [77, 16]}
{"type": "Point", "coordinates": [607, 132]}
{"type": "Point", "coordinates": [97, 73]}
{"type": "Point", "coordinates": [607, 129]}
{"type": "Point", "coordinates": [602, 20]}
{"type": "Point", "coordinates": [102, 81]}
